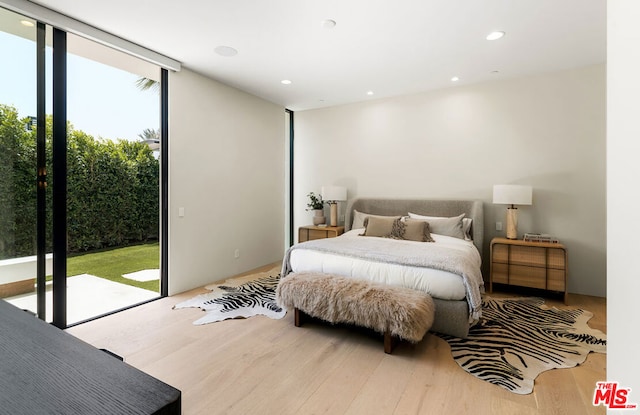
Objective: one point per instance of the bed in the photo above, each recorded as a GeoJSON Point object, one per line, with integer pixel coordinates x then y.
{"type": "Point", "coordinates": [450, 273]}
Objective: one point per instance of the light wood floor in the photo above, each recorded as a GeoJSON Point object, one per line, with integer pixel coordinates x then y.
{"type": "Point", "coordinates": [263, 366]}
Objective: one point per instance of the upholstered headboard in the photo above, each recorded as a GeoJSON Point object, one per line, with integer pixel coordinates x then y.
{"type": "Point", "coordinates": [429, 207]}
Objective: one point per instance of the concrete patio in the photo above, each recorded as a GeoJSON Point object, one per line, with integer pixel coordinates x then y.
{"type": "Point", "coordinates": [88, 296]}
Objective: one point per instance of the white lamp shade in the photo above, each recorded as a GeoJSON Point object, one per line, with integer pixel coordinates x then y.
{"type": "Point", "coordinates": [333, 193]}
{"type": "Point", "coordinates": [511, 194]}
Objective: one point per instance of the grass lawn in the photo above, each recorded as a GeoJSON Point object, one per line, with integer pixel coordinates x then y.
{"type": "Point", "coordinates": [112, 263]}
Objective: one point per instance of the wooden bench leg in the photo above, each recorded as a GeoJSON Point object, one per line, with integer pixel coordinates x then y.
{"type": "Point", "coordinates": [299, 317]}
{"type": "Point", "coordinates": [390, 342]}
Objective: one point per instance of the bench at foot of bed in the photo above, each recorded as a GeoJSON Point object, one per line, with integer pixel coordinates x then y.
{"type": "Point", "coordinates": [396, 312]}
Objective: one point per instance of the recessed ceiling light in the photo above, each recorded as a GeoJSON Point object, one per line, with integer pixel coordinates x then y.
{"type": "Point", "coordinates": [27, 23]}
{"type": "Point", "coordinates": [369, 92]}
{"type": "Point", "coordinates": [455, 79]}
{"type": "Point", "coordinates": [328, 24]}
{"type": "Point", "coordinates": [495, 35]}
{"type": "Point", "coordinates": [285, 82]}
{"type": "Point", "coordinates": [226, 51]}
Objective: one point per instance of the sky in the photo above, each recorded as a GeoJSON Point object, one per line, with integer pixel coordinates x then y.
{"type": "Point", "coordinates": [102, 101]}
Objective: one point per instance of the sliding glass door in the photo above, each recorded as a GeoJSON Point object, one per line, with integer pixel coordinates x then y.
{"type": "Point", "coordinates": [113, 180]}
{"type": "Point", "coordinates": [80, 174]}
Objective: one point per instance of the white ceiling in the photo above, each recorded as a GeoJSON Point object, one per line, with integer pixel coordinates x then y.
{"type": "Point", "coordinates": [388, 47]}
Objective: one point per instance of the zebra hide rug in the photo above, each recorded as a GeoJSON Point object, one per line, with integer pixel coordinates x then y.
{"type": "Point", "coordinates": [517, 339]}
{"type": "Point", "coordinates": [241, 297]}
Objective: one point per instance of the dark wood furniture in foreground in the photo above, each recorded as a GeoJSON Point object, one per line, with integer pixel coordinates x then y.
{"type": "Point", "coordinates": [539, 265]}
{"type": "Point", "coordinates": [45, 370]}
{"type": "Point", "coordinates": [309, 233]}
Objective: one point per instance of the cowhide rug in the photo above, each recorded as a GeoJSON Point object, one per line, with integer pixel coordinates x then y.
{"type": "Point", "coordinates": [517, 339]}
{"type": "Point", "coordinates": [241, 297]}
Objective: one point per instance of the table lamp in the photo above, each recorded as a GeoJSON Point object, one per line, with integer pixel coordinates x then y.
{"type": "Point", "coordinates": [332, 195]}
{"type": "Point", "coordinates": [511, 194]}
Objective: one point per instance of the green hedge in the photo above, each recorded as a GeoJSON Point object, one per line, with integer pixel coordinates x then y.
{"type": "Point", "coordinates": [113, 189]}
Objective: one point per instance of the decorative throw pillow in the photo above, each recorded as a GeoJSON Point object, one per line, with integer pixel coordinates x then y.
{"type": "Point", "coordinates": [442, 225]}
{"type": "Point", "coordinates": [359, 217]}
{"type": "Point", "coordinates": [380, 226]}
{"type": "Point", "coordinates": [416, 230]}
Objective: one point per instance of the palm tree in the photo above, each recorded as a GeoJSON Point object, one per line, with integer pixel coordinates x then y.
{"type": "Point", "coordinates": [151, 138]}
{"type": "Point", "coordinates": [150, 134]}
{"type": "Point", "coordinates": [148, 84]}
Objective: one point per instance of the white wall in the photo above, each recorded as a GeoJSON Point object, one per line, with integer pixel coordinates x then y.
{"type": "Point", "coordinates": [623, 174]}
{"type": "Point", "coordinates": [226, 169]}
{"type": "Point", "coordinates": [547, 131]}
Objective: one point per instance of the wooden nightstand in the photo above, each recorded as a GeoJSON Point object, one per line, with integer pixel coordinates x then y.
{"type": "Point", "coordinates": [529, 264]}
{"type": "Point", "coordinates": [309, 233]}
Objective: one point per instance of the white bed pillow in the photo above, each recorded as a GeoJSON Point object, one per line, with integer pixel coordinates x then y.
{"type": "Point", "coordinates": [466, 228]}
{"type": "Point", "coordinates": [452, 226]}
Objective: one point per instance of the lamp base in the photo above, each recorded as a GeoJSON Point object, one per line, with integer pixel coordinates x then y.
{"type": "Point", "coordinates": [334, 214]}
{"type": "Point", "coordinates": [512, 223]}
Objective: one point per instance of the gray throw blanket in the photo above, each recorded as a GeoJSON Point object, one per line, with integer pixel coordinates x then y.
{"type": "Point", "coordinates": [428, 255]}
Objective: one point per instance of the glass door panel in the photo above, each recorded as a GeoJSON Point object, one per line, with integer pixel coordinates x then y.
{"type": "Point", "coordinates": [113, 173]}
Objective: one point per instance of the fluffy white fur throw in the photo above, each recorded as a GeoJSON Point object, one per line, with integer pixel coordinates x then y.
{"type": "Point", "coordinates": [403, 312]}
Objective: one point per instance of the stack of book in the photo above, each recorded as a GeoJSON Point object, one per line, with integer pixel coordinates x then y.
{"type": "Point", "coordinates": [540, 237]}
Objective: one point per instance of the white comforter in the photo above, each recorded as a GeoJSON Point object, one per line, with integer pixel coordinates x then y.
{"type": "Point", "coordinates": [436, 282]}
